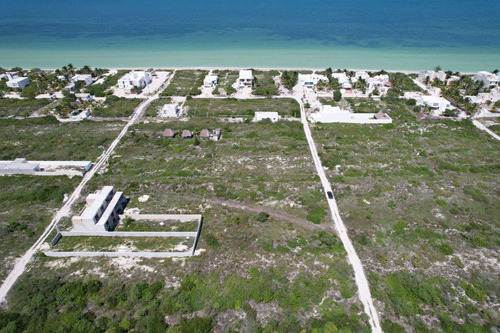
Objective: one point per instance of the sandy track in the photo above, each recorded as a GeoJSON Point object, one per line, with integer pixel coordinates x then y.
{"type": "Point", "coordinates": [359, 273]}
{"type": "Point", "coordinates": [277, 213]}
{"type": "Point", "coordinates": [486, 129]}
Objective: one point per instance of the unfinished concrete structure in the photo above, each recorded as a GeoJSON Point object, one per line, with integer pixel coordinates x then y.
{"type": "Point", "coordinates": [101, 211]}
{"type": "Point", "coordinates": [159, 218]}
{"type": "Point", "coordinates": [20, 166]}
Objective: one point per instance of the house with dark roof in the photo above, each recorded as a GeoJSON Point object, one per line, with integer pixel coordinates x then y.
{"type": "Point", "coordinates": [169, 134]}
{"type": "Point", "coordinates": [187, 134]}
{"type": "Point", "coordinates": [381, 115]}
{"type": "Point", "coordinates": [205, 134]}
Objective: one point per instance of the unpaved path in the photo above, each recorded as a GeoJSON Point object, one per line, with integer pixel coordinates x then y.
{"type": "Point", "coordinates": [279, 214]}
{"type": "Point", "coordinates": [65, 210]}
{"type": "Point", "coordinates": [486, 129]}
{"type": "Point", "coordinates": [359, 273]}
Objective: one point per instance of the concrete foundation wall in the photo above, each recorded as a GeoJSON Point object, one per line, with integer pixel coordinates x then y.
{"type": "Point", "coordinates": [130, 233]}
{"type": "Point", "coordinates": [70, 173]}
{"type": "Point", "coordinates": [118, 254]}
{"type": "Point", "coordinates": [163, 217]}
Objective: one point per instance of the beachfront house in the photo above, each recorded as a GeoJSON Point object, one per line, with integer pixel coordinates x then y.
{"type": "Point", "coordinates": [434, 102]}
{"type": "Point", "coordinates": [361, 75]}
{"type": "Point", "coordinates": [273, 116]}
{"type": "Point", "coordinates": [210, 81]}
{"type": "Point", "coordinates": [170, 111]}
{"type": "Point", "coordinates": [17, 82]}
{"type": "Point", "coordinates": [134, 79]}
{"type": "Point", "coordinates": [343, 80]}
{"type": "Point", "coordinates": [245, 78]}
{"type": "Point", "coordinates": [85, 78]}
{"type": "Point", "coordinates": [101, 212]}
{"type": "Point", "coordinates": [311, 80]}
{"type": "Point", "coordinates": [432, 75]}
{"type": "Point", "coordinates": [490, 80]}
{"type": "Point", "coordinates": [333, 114]}
{"type": "Point", "coordinates": [380, 82]}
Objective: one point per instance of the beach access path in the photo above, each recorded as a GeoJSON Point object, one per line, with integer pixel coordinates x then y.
{"type": "Point", "coordinates": [486, 129]}
{"type": "Point", "coordinates": [65, 210]}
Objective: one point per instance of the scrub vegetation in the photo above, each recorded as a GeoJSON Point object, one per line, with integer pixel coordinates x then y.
{"type": "Point", "coordinates": [267, 260]}
{"type": "Point", "coordinates": [185, 83]}
{"type": "Point", "coordinates": [232, 107]}
{"type": "Point", "coordinates": [420, 199]}
{"type": "Point", "coordinates": [44, 138]}
{"type": "Point", "coordinates": [12, 107]}
{"type": "Point", "coordinates": [117, 107]}
{"type": "Point", "coordinates": [226, 81]}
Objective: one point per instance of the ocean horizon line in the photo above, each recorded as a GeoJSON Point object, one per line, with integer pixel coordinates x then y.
{"type": "Point", "coordinates": [249, 67]}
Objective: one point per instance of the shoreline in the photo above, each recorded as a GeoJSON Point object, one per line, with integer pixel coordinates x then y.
{"type": "Point", "coordinates": [212, 68]}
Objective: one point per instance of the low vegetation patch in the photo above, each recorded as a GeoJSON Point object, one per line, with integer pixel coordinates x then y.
{"type": "Point", "coordinates": [117, 107]}
{"type": "Point", "coordinates": [13, 107]}
{"type": "Point", "coordinates": [185, 82]}
{"type": "Point", "coordinates": [231, 107]}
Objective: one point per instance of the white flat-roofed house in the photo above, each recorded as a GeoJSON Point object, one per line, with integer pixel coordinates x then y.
{"type": "Point", "coordinates": [245, 78]}
{"type": "Point", "coordinates": [493, 96]}
{"type": "Point", "coordinates": [101, 211]}
{"type": "Point", "coordinates": [85, 78]}
{"type": "Point", "coordinates": [273, 116]}
{"type": "Point", "coordinates": [170, 111]}
{"type": "Point", "coordinates": [379, 82]}
{"type": "Point", "coordinates": [311, 80]}
{"type": "Point", "coordinates": [333, 114]}
{"type": "Point", "coordinates": [490, 80]}
{"type": "Point", "coordinates": [210, 81]}
{"type": "Point", "coordinates": [362, 75]}
{"type": "Point", "coordinates": [134, 79]}
{"type": "Point", "coordinates": [440, 75]}
{"type": "Point", "coordinates": [18, 82]}
{"type": "Point", "coordinates": [434, 102]}
{"type": "Point", "coordinates": [343, 80]}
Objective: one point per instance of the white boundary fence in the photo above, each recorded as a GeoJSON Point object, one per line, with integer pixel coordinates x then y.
{"type": "Point", "coordinates": [138, 217]}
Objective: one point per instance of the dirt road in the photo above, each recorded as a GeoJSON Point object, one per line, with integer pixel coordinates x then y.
{"type": "Point", "coordinates": [359, 273]}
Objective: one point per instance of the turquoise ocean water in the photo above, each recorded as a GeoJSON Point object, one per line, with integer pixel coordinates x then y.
{"type": "Point", "coordinates": [461, 35]}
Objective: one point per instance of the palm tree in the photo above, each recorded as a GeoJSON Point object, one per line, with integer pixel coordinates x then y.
{"type": "Point", "coordinates": [86, 70]}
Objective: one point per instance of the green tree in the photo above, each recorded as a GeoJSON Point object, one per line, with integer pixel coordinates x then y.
{"type": "Point", "coordinates": [263, 216]}
{"type": "Point", "coordinates": [337, 95]}
{"type": "Point", "coordinates": [30, 91]}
